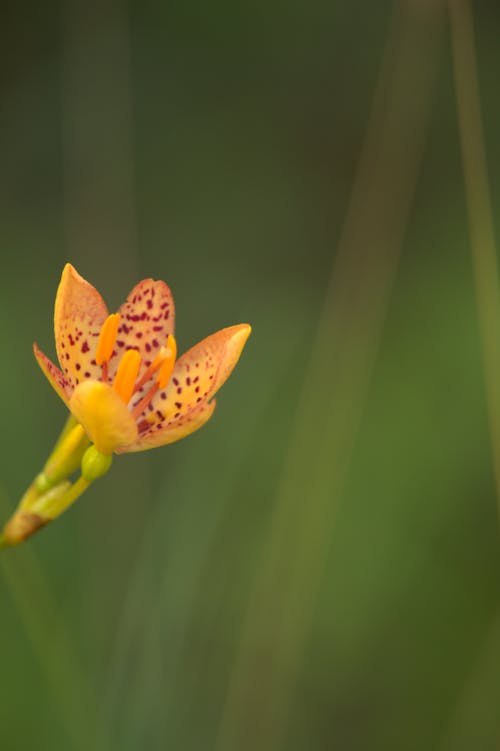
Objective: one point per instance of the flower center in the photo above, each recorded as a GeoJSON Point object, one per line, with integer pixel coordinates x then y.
{"type": "Point", "coordinates": [125, 382]}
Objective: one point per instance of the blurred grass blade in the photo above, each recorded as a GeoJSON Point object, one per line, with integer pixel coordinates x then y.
{"type": "Point", "coordinates": [480, 214]}
{"type": "Point", "coordinates": [22, 575]}
{"type": "Point", "coordinates": [261, 690]}
{"type": "Point", "coordinates": [476, 719]}
{"type": "Point", "coordinates": [99, 178]}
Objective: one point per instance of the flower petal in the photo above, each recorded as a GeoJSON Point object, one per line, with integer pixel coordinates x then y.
{"type": "Point", "coordinates": [57, 380]}
{"type": "Point", "coordinates": [159, 434]}
{"type": "Point", "coordinates": [79, 314]}
{"type": "Point", "coordinates": [197, 376]}
{"type": "Point", "coordinates": [147, 317]}
{"type": "Point", "coordinates": [105, 417]}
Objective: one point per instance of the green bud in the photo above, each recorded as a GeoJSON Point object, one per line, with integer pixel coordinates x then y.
{"type": "Point", "coordinates": [42, 483]}
{"type": "Point", "coordinates": [95, 464]}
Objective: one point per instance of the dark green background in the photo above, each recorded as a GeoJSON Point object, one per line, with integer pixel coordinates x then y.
{"type": "Point", "coordinates": [318, 568]}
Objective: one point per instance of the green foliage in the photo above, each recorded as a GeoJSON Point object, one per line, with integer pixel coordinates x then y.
{"type": "Point", "coordinates": [318, 567]}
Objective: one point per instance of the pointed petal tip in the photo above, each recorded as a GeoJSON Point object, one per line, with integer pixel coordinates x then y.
{"type": "Point", "coordinates": [237, 341]}
{"type": "Point", "coordinates": [243, 331]}
{"type": "Point", "coordinates": [69, 270]}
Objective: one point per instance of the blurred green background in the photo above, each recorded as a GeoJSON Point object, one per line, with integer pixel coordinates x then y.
{"type": "Point", "coordinates": [318, 568]}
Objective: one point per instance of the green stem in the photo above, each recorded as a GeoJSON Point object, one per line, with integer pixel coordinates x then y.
{"type": "Point", "coordinates": [52, 506]}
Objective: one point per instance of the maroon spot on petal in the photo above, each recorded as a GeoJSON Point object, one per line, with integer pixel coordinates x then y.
{"type": "Point", "coordinates": [188, 381]}
{"type": "Point", "coordinates": [120, 343]}
{"type": "Point", "coordinates": [175, 381]}
{"type": "Point", "coordinates": [87, 374]}
{"type": "Point", "coordinates": [67, 355]}
{"type": "Point", "coordinates": [157, 328]}
{"type": "Point", "coordinates": [167, 315]}
{"type": "Point", "coordinates": [78, 366]}
{"type": "Point", "coordinates": [155, 343]}
{"type": "Point", "coordinates": [142, 426]}
{"type": "Point", "coordinates": [138, 335]}
{"type": "Point", "coordinates": [163, 395]}
{"type": "Point", "coordinates": [197, 390]}
{"type": "Point", "coordinates": [149, 304]}
{"type": "Point", "coordinates": [71, 340]}
{"type": "Point", "coordinates": [199, 399]}
{"type": "Point", "coordinates": [179, 390]}
{"type": "Point", "coordinates": [93, 362]}
{"type": "Point", "coordinates": [196, 379]}
{"type": "Point", "coordinates": [164, 305]}
{"type": "Point", "coordinates": [178, 405]}
{"type": "Point", "coordinates": [160, 415]}
{"type": "Point", "coordinates": [85, 347]}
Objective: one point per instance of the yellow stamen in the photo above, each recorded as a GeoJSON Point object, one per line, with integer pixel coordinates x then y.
{"type": "Point", "coordinates": [126, 374]}
{"type": "Point", "coordinates": [164, 354]}
{"type": "Point", "coordinates": [168, 363]}
{"type": "Point", "coordinates": [107, 339]}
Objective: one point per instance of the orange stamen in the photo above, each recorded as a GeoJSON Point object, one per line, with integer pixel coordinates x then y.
{"type": "Point", "coordinates": [141, 406]}
{"type": "Point", "coordinates": [107, 339]}
{"type": "Point", "coordinates": [126, 374]}
{"type": "Point", "coordinates": [165, 353]}
{"type": "Point", "coordinates": [151, 370]}
{"type": "Point", "coordinates": [164, 362]}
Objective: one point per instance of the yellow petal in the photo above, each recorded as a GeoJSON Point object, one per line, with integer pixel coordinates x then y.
{"type": "Point", "coordinates": [201, 371]}
{"type": "Point", "coordinates": [105, 417]}
{"type": "Point", "coordinates": [79, 315]}
{"type": "Point", "coordinates": [197, 376]}
{"type": "Point", "coordinates": [57, 380]}
{"type": "Point", "coordinates": [174, 430]}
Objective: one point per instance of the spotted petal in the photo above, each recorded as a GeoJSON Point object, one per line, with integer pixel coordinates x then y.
{"type": "Point", "coordinates": [79, 314]}
{"type": "Point", "coordinates": [197, 376]}
{"type": "Point", "coordinates": [57, 380]}
{"type": "Point", "coordinates": [162, 433]}
{"type": "Point", "coordinates": [147, 318]}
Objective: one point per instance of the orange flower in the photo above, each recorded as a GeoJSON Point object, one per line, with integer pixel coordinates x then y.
{"type": "Point", "coordinates": [124, 388]}
{"type": "Point", "coordinates": [119, 376]}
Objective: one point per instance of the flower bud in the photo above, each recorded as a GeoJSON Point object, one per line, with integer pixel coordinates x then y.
{"type": "Point", "coordinates": [95, 464]}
